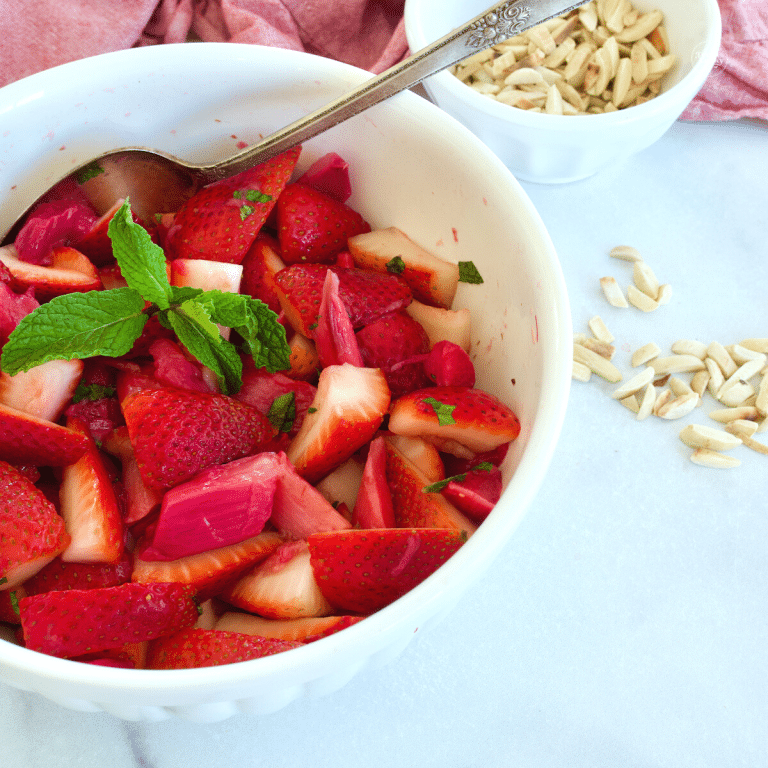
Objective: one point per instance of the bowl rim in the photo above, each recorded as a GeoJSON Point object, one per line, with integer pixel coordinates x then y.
{"type": "Point", "coordinates": [343, 648]}
{"type": "Point", "coordinates": [665, 102]}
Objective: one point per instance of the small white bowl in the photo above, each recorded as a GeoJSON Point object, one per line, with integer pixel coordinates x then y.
{"type": "Point", "coordinates": [412, 166]}
{"type": "Point", "coordinates": [555, 148]}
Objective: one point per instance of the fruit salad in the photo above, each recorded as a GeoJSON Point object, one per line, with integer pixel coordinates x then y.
{"type": "Point", "coordinates": [233, 428]}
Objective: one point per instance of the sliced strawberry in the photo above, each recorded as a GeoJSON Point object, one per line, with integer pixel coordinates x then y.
{"type": "Point", "coordinates": [128, 656]}
{"type": "Point", "coordinates": [362, 571]}
{"type": "Point", "coordinates": [26, 439]}
{"type": "Point", "coordinates": [174, 369]}
{"type": "Point", "coordinates": [424, 455]}
{"type": "Point", "coordinates": [96, 243]}
{"type": "Point", "coordinates": [412, 506]}
{"type": "Point", "coordinates": [79, 621]}
{"type": "Point", "coordinates": [260, 265]}
{"type": "Point", "coordinates": [476, 492]}
{"type": "Point", "coordinates": [42, 391]}
{"type": "Point", "coordinates": [373, 507]}
{"type": "Point", "coordinates": [313, 227]}
{"type": "Point", "coordinates": [305, 630]}
{"type": "Point", "coordinates": [340, 487]}
{"type": "Point", "coordinates": [59, 575]}
{"type": "Point", "coordinates": [281, 587]}
{"type": "Point", "coordinates": [177, 433]}
{"type": "Point", "coordinates": [455, 416]}
{"type": "Point", "coordinates": [89, 507]}
{"type": "Point", "coordinates": [334, 336]}
{"type": "Point", "coordinates": [443, 324]}
{"type": "Point", "coordinates": [349, 407]}
{"type": "Point", "coordinates": [208, 572]}
{"type": "Point", "coordinates": [304, 360]}
{"type": "Point", "coordinates": [31, 531]}
{"type": "Point", "coordinates": [455, 465]}
{"type": "Point", "coordinates": [95, 400]}
{"type": "Point", "coordinates": [52, 225]}
{"type": "Point", "coordinates": [366, 295]}
{"type": "Point", "coordinates": [223, 504]}
{"type": "Point", "coordinates": [13, 306]}
{"type": "Point", "coordinates": [433, 280]}
{"type": "Point", "coordinates": [70, 271]}
{"type": "Point", "coordinates": [222, 220]}
{"type": "Point", "coordinates": [207, 275]}
{"type": "Point", "coordinates": [448, 364]}
{"type": "Point", "coordinates": [329, 175]}
{"type": "Point", "coordinates": [192, 648]}
{"type": "Point", "coordinates": [9, 604]}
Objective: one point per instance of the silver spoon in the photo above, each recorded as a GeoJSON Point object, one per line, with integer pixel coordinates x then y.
{"type": "Point", "coordinates": [157, 182]}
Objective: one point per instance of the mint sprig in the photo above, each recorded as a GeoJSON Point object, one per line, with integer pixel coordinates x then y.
{"type": "Point", "coordinates": [82, 325]}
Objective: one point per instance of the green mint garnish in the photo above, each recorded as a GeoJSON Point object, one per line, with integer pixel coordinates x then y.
{"type": "Point", "coordinates": [252, 195]}
{"type": "Point", "coordinates": [311, 409]}
{"type": "Point", "coordinates": [443, 411]}
{"type": "Point", "coordinates": [483, 466]}
{"type": "Point", "coordinates": [245, 212]}
{"type": "Point", "coordinates": [92, 392]}
{"type": "Point", "coordinates": [396, 265]}
{"type": "Point", "coordinates": [82, 325]}
{"type": "Point", "coordinates": [3, 580]}
{"type": "Point", "coordinates": [14, 599]}
{"type": "Point", "coordinates": [87, 172]}
{"type": "Point", "coordinates": [282, 412]}
{"type": "Point", "coordinates": [468, 273]}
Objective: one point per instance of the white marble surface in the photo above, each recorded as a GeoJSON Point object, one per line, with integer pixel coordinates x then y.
{"type": "Point", "coordinates": [625, 625]}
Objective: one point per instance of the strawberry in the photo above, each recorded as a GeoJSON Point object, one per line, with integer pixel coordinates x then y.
{"type": "Point", "coordinates": [373, 506]}
{"type": "Point", "coordinates": [176, 433]}
{"type": "Point", "coordinates": [443, 324]}
{"type": "Point", "coordinates": [340, 486]}
{"type": "Point", "coordinates": [448, 364]}
{"type": "Point", "coordinates": [313, 227]}
{"type": "Point", "coordinates": [9, 604]}
{"type": "Point", "coordinates": [366, 295]}
{"type": "Point", "coordinates": [349, 406]}
{"type": "Point", "coordinates": [208, 572]}
{"type": "Point", "coordinates": [455, 418]}
{"type": "Point", "coordinates": [69, 271]}
{"type": "Point", "coordinates": [433, 280]}
{"type": "Point", "coordinates": [89, 506]}
{"type": "Point", "coordinates": [191, 648]}
{"type": "Point", "coordinates": [362, 571]}
{"type": "Point", "coordinates": [96, 243]}
{"type": "Point", "coordinates": [13, 306]}
{"type": "Point", "coordinates": [334, 336]}
{"type": "Point", "coordinates": [42, 391]}
{"type": "Point", "coordinates": [424, 455]}
{"type": "Point", "coordinates": [220, 221]}
{"type": "Point", "coordinates": [95, 401]}
{"type": "Point", "coordinates": [79, 621]}
{"type": "Point", "coordinates": [31, 531]}
{"type": "Point", "coordinates": [303, 630]}
{"type": "Point", "coordinates": [59, 575]}
{"type": "Point", "coordinates": [26, 439]}
{"type": "Point", "coordinates": [206, 274]}
{"type": "Point", "coordinates": [329, 175]}
{"type": "Point", "coordinates": [260, 265]}
{"type": "Point", "coordinates": [281, 587]}
{"type": "Point", "coordinates": [304, 360]}
{"type": "Point", "coordinates": [174, 369]}
{"type": "Point", "coordinates": [476, 492]}
{"type": "Point", "coordinates": [390, 343]}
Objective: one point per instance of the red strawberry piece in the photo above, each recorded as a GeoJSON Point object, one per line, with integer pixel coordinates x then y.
{"type": "Point", "coordinates": [303, 630]}
{"type": "Point", "coordinates": [456, 465]}
{"type": "Point", "coordinates": [223, 504]}
{"type": "Point", "coordinates": [366, 295]}
{"type": "Point", "coordinates": [362, 571]}
{"type": "Point", "coordinates": [329, 175]}
{"type": "Point", "coordinates": [334, 336]}
{"type": "Point", "coordinates": [101, 415]}
{"type": "Point", "coordinates": [90, 506]}
{"type": "Point", "coordinates": [260, 265]}
{"type": "Point", "coordinates": [79, 621]}
{"type": "Point", "coordinates": [221, 221]}
{"type": "Point", "coordinates": [345, 260]}
{"type": "Point", "coordinates": [128, 656]}
{"type": "Point", "coordinates": [390, 343]}
{"type": "Point", "coordinates": [476, 492]}
{"type": "Point", "coordinates": [192, 648]}
{"type": "Point", "coordinates": [373, 506]}
{"type": "Point", "coordinates": [449, 365]}
{"type": "Point", "coordinates": [208, 572]}
{"type": "Point", "coordinates": [177, 433]}
{"type": "Point", "coordinates": [58, 575]}
{"type": "Point", "coordinates": [51, 225]}
{"type": "Point", "coordinates": [313, 227]}
{"type": "Point", "coordinates": [173, 368]}
{"type": "Point", "coordinates": [96, 243]}
{"type": "Point", "coordinates": [31, 531]}
{"type": "Point", "coordinates": [42, 391]}
{"type": "Point", "coordinates": [13, 306]}
{"type": "Point", "coordinates": [455, 417]}
{"type": "Point", "coordinates": [26, 439]}
{"type": "Point", "coordinates": [9, 604]}
{"type": "Point", "coordinates": [281, 587]}
{"type": "Point", "coordinates": [70, 271]}
{"type": "Point", "coordinates": [349, 407]}
{"type": "Point", "coordinates": [206, 274]}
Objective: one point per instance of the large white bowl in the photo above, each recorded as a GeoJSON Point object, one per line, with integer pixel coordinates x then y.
{"type": "Point", "coordinates": [412, 166]}
{"type": "Point", "coordinates": [556, 148]}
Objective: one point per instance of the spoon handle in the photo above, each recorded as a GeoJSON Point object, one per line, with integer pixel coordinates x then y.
{"type": "Point", "coordinates": [501, 21]}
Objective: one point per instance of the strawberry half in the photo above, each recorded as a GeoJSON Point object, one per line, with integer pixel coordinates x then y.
{"type": "Point", "coordinates": [31, 531]}
{"type": "Point", "coordinates": [222, 220]}
{"type": "Point", "coordinates": [80, 621]}
{"type": "Point", "coordinates": [313, 227]}
{"type": "Point", "coordinates": [304, 630]}
{"type": "Point", "coordinates": [177, 433]}
{"type": "Point", "coordinates": [362, 571]}
{"type": "Point", "coordinates": [192, 648]}
{"type": "Point", "coordinates": [42, 391]}
{"type": "Point", "coordinates": [59, 576]}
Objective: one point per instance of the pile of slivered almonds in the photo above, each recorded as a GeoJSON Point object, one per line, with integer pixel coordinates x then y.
{"type": "Point", "coordinates": [601, 57]}
{"type": "Point", "coordinates": [672, 386]}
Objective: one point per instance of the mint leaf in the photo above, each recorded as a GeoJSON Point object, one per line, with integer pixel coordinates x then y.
{"type": "Point", "coordinates": [483, 466]}
{"type": "Point", "coordinates": [142, 262]}
{"type": "Point", "coordinates": [87, 172]}
{"type": "Point", "coordinates": [192, 323]}
{"type": "Point", "coordinates": [396, 265]}
{"type": "Point", "coordinates": [181, 293]}
{"type": "Point", "coordinates": [76, 325]}
{"type": "Point", "coordinates": [468, 273]}
{"type": "Point", "coordinates": [92, 392]}
{"type": "Point", "coordinates": [14, 600]}
{"type": "Point", "coordinates": [282, 412]}
{"type": "Point", "coordinates": [440, 484]}
{"type": "Point", "coordinates": [443, 411]}
{"type": "Point", "coordinates": [3, 580]}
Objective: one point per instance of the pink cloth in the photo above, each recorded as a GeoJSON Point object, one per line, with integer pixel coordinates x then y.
{"type": "Point", "coordinates": [37, 34]}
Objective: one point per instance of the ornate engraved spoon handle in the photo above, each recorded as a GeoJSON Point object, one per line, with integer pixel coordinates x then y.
{"type": "Point", "coordinates": [498, 23]}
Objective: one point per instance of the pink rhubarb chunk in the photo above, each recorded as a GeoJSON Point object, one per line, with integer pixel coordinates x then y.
{"type": "Point", "coordinates": [329, 175]}
{"type": "Point", "coordinates": [334, 336]}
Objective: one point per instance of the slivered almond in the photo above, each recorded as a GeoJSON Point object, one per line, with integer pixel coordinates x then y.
{"type": "Point", "coordinates": [645, 279]}
{"type": "Point", "coordinates": [631, 403]}
{"type": "Point", "coordinates": [708, 458]}
{"type": "Point", "coordinates": [717, 352]}
{"type": "Point", "coordinates": [756, 345]}
{"type": "Point", "coordinates": [645, 354]}
{"type": "Point", "coordinates": [725, 415]}
{"type": "Point", "coordinates": [700, 436]}
{"type": "Point", "coordinates": [662, 398]}
{"type": "Point", "coordinates": [761, 402]}
{"type": "Point", "coordinates": [647, 402]}
{"type": "Point", "coordinates": [643, 27]}
{"type": "Point", "coordinates": [742, 427]}
{"type": "Point", "coordinates": [735, 393]}
{"type": "Point", "coordinates": [600, 330]}
{"type": "Point", "coordinates": [613, 292]}
{"type": "Point", "coordinates": [581, 372]}
{"type": "Point", "coordinates": [716, 378]}
{"type": "Point", "coordinates": [625, 253]}
{"type": "Point", "coordinates": [699, 382]}
{"type": "Point", "coordinates": [640, 300]}
{"type": "Point", "coordinates": [665, 293]}
{"type": "Point", "coordinates": [596, 363]}
{"type": "Point", "coordinates": [677, 364]}
{"type": "Point", "coordinates": [678, 386]}
{"type": "Point", "coordinates": [678, 407]}
{"type": "Point", "coordinates": [690, 347]}
{"type": "Point", "coordinates": [602, 348]}
{"type": "Point", "coordinates": [635, 384]}
{"type": "Point", "coordinates": [755, 445]}
{"type": "Point", "coordinates": [742, 354]}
